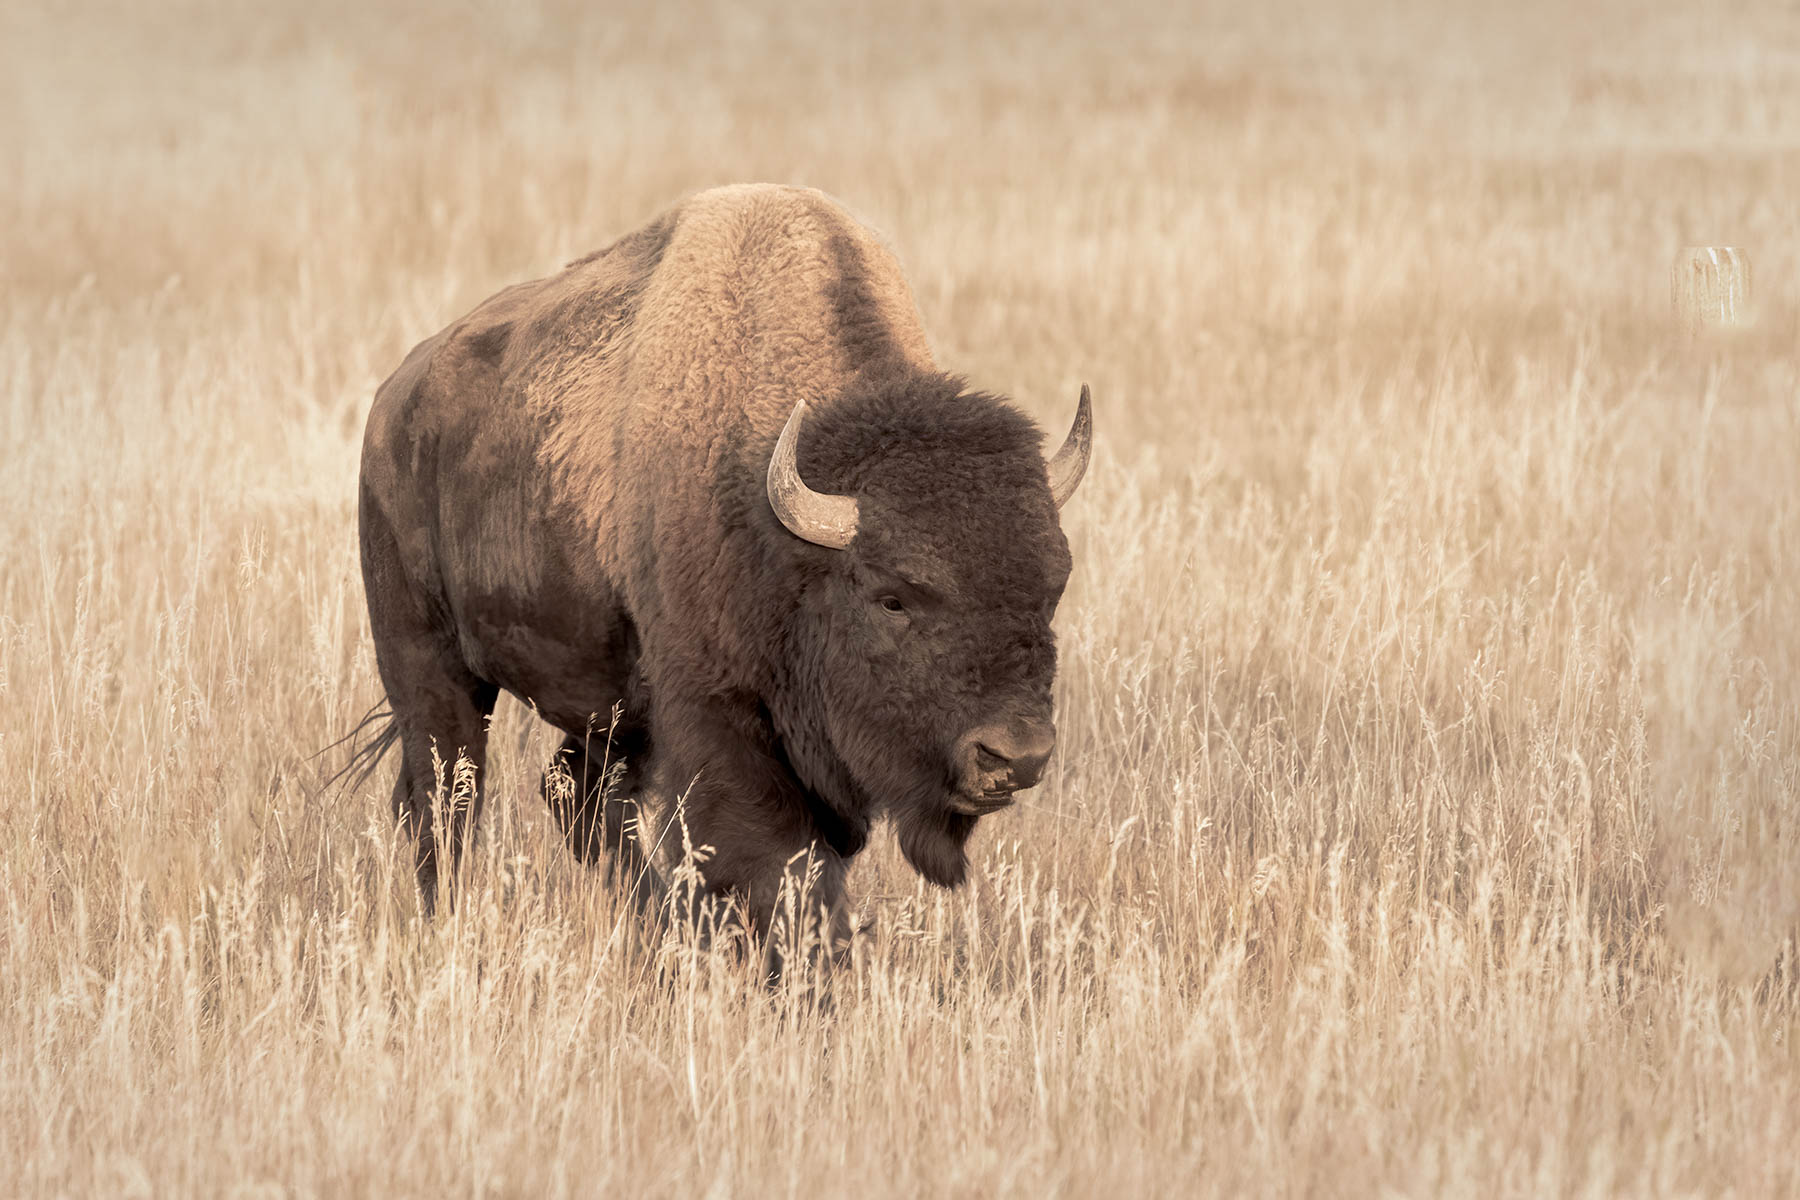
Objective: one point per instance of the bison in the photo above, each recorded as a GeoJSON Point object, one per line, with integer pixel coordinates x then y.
{"type": "Point", "coordinates": [710, 480]}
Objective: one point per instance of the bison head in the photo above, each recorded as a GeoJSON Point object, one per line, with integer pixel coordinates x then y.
{"type": "Point", "coordinates": [924, 636]}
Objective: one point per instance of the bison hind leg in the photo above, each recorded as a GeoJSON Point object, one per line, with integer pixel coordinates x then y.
{"type": "Point", "coordinates": [438, 795]}
{"type": "Point", "coordinates": [591, 787]}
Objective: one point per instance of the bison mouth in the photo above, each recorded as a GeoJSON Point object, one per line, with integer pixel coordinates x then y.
{"type": "Point", "coordinates": [979, 804]}
{"type": "Point", "coordinates": [995, 760]}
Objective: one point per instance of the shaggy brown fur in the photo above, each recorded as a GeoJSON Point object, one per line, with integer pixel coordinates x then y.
{"type": "Point", "coordinates": [563, 495]}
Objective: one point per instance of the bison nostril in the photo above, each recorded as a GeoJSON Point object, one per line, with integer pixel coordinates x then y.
{"type": "Point", "coordinates": [1027, 770]}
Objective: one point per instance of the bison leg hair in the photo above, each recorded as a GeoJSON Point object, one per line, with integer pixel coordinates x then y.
{"type": "Point", "coordinates": [440, 777]}
{"type": "Point", "coordinates": [592, 791]}
{"type": "Point", "coordinates": [763, 847]}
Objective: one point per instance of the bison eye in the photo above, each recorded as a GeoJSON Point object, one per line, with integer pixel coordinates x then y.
{"type": "Point", "coordinates": [891, 604]}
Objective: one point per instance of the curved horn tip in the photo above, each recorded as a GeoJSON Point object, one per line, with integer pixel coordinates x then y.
{"type": "Point", "coordinates": [1070, 463]}
{"type": "Point", "coordinates": [818, 517]}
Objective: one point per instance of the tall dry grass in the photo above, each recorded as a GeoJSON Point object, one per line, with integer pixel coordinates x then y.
{"type": "Point", "coordinates": [1425, 815]}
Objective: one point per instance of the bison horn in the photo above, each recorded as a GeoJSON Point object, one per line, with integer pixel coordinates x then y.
{"type": "Point", "coordinates": [819, 517]}
{"type": "Point", "coordinates": [1070, 463]}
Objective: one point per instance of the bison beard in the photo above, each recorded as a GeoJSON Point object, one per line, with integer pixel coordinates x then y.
{"type": "Point", "coordinates": [934, 842]}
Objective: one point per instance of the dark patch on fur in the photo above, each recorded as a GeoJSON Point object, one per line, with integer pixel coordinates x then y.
{"type": "Point", "coordinates": [862, 330]}
{"type": "Point", "coordinates": [646, 248]}
{"type": "Point", "coordinates": [589, 320]}
{"type": "Point", "coordinates": [489, 344]}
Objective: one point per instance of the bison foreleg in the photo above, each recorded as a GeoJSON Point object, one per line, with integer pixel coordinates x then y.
{"type": "Point", "coordinates": [754, 834]}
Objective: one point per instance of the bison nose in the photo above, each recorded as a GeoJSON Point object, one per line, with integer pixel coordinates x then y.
{"type": "Point", "coordinates": [1010, 758]}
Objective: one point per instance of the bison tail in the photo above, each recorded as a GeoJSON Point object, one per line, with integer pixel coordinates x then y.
{"type": "Point", "coordinates": [370, 739]}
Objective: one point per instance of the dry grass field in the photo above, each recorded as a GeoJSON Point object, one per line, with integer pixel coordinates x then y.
{"type": "Point", "coordinates": [1426, 818]}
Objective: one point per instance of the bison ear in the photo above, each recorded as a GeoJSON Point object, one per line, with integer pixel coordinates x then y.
{"type": "Point", "coordinates": [1070, 464]}
{"type": "Point", "coordinates": [819, 517]}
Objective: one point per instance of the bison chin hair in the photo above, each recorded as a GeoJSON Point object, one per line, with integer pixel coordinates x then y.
{"type": "Point", "coordinates": [933, 841]}
{"type": "Point", "coordinates": [880, 753]}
